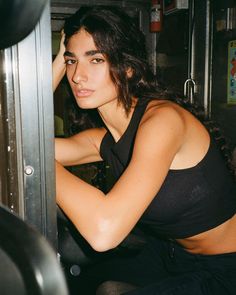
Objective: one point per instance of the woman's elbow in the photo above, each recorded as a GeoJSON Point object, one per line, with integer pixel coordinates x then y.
{"type": "Point", "coordinates": [102, 245]}
{"type": "Point", "coordinates": [104, 238]}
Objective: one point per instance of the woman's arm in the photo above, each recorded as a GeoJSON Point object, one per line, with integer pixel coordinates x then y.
{"type": "Point", "coordinates": [81, 148]}
{"type": "Point", "coordinates": [58, 65]}
{"type": "Point", "coordinates": [105, 220]}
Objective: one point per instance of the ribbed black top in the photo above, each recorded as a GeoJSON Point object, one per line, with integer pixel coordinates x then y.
{"type": "Point", "coordinates": [191, 200]}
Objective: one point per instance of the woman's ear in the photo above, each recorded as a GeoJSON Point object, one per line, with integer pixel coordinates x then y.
{"type": "Point", "coordinates": [129, 72]}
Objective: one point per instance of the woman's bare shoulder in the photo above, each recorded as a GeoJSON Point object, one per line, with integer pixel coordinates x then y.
{"type": "Point", "coordinates": [163, 104]}
{"type": "Point", "coordinates": [161, 131]}
{"type": "Point", "coordinates": [164, 112]}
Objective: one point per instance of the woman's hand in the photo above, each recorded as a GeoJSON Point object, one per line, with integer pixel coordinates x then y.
{"type": "Point", "coordinates": [62, 45]}
{"type": "Point", "coordinates": [58, 65]}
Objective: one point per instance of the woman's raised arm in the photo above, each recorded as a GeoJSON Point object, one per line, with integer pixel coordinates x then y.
{"type": "Point", "coordinates": [58, 65]}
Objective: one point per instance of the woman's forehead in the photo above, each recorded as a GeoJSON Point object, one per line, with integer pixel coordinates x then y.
{"type": "Point", "coordinates": [81, 40]}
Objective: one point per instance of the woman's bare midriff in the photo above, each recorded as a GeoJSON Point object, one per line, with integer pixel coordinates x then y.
{"type": "Point", "coordinates": [219, 240]}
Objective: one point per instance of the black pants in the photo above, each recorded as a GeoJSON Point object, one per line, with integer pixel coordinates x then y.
{"type": "Point", "coordinates": [165, 268]}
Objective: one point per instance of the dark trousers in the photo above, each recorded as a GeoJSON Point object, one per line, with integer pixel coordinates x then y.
{"type": "Point", "coordinates": [165, 268]}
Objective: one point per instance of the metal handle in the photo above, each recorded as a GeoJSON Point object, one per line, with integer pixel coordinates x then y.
{"type": "Point", "coordinates": [190, 83]}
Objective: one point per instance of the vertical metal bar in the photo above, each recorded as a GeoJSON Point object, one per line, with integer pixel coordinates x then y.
{"type": "Point", "coordinates": [189, 85]}
{"type": "Point", "coordinates": [13, 193]}
{"type": "Point", "coordinates": [190, 37]}
{"type": "Point", "coordinates": [3, 144]}
{"type": "Point", "coordinates": [18, 131]}
{"type": "Point", "coordinates": [36, 97]}
{"type": "Point", "coordinates": [154, 38]}
{"type": "Point", "coordinates": [192, 52]}
{"type": "Point", "coordinates": [201, 54]}
{"type": "Point", "coordinates": [208, 60]}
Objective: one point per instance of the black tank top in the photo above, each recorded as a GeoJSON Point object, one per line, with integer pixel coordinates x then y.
{"type": "Point", "coordinates": [191, 200]}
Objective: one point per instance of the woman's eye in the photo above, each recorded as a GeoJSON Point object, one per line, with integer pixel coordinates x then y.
{"type": "Point", "coordinates": [97, 60]}
{"type": "Point", "coordinates": [70, 61]}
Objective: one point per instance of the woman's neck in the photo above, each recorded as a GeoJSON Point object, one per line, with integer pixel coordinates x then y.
{"type": "Point", "coordinates": [115, 118]}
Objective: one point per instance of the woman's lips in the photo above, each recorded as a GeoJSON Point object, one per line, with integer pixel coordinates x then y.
{"type": "Point", "coordinates": [83, 92]}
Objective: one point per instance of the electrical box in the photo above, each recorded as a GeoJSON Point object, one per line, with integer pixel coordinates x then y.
{"type": "Point", "coordinates": [170, 6]}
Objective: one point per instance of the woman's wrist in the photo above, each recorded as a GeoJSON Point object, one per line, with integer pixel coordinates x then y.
{"type": "Point", "coordinates": [58, 69]}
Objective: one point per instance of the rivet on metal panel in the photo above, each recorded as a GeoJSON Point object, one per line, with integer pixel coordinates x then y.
{"type": "Point", "coordinates": [29, 170]}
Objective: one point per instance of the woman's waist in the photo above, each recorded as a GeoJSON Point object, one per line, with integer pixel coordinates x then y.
{"type": "Point", "coordinates": [219, 240]}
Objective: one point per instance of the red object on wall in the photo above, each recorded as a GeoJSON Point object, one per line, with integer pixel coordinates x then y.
{"type": "Point", "coordinates": [156, 16]}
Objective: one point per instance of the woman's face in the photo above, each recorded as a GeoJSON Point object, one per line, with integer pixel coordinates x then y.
{"type": "Point", "coordinates": [88, 72]}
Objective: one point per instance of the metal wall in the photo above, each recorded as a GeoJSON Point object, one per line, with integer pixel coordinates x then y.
{"type": "Point", "coordinates": [27, 130]}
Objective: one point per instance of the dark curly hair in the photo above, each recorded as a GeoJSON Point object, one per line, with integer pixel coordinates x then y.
{"type": "Point", "coordinates": [117, 35]}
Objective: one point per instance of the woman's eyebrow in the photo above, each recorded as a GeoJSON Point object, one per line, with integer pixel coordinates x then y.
{"type": "Point", "coordinates": [93, 52]}
{"type": "Point", "coordinates": [68, 53]}
{"type": "Point", "coordinates": [87, 53]}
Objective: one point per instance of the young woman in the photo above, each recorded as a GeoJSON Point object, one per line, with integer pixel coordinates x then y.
{"type": "Point", "coordinates": [170, 176]}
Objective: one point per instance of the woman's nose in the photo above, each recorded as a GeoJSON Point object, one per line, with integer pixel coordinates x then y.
{"type": "Point", "coordinates": [79, 74]}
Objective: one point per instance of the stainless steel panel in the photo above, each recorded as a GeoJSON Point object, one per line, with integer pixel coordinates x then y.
{"type": "Point", "coordinates": [11, 190]}
{"type": "Point", "coordinates": [27, 128]}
